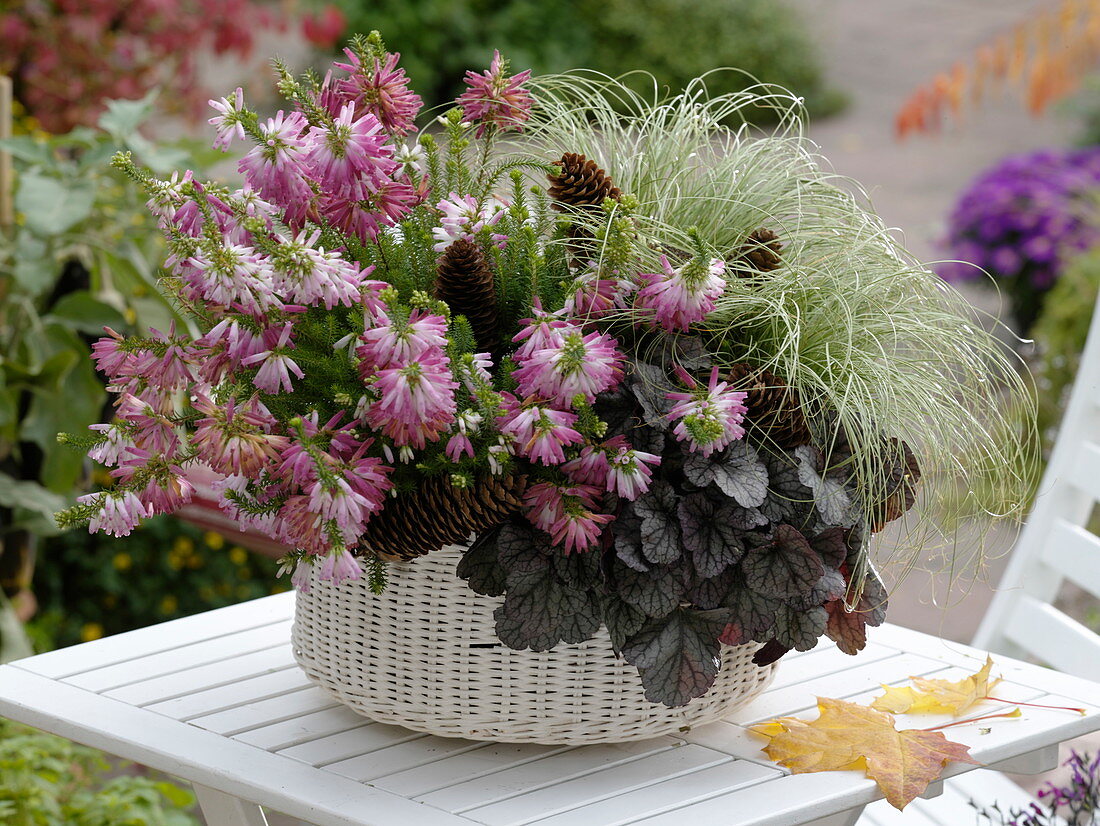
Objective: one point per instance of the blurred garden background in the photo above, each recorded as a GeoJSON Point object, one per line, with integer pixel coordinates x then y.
{"type": "Point", "coordinates": [974, 128]}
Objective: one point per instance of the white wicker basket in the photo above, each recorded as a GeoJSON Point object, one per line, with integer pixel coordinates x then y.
{"type": "Point", "coordinates": [425, 655]}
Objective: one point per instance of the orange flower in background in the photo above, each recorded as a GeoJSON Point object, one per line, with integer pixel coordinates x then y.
{"type": "Point", "coordinates": [1042, 60]}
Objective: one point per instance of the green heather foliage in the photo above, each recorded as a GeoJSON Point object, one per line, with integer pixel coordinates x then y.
{"type": "Point", "coordinates": [676, 40]}
{"type": "Point", "coordinates": [48, 781]}
{"type": "Point", "coordinates": [851, 319]}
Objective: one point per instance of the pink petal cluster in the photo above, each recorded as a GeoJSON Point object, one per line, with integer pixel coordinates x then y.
{"type": "Point", "coordinates": [380, 88]}
{"type": "Point", "coordinates": [708, 420]}
{"type": "Point", "coordinates": [463, 217]}
{"type": "Point", "coordinates": [682, 297]}
{"type": "Point", "coordinates": [569, 514]}
{"type": "Point", "coordinates": [572, 364]}
{"type": "Point", "coordinates": [496, 99]}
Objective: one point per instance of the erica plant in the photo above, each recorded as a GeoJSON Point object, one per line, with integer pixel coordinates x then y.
{"type": "Point", "coordinates": [1022, 221]}
{"type": "Point", "coordinates": [1072, 802]}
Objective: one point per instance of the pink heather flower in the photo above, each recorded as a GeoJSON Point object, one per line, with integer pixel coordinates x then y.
{"type": "Point", "coordinates": [417, 400]}
{"type": "Point", "coordinates": [227, 122]}
{"type": "Point", "coordinates": [567, 514]}
{"type": "Point", "coordinates": [170, 370]}
{"type": "Point", "coordinates": [233, 274]}
{"type": "Point", "coordinates": [541, 433]}
{"type": "Point", "coordinates": [118, 442]}
{"type": "Point", "coordinates": [352, 155]}
{"type": "Point", "coordinates": [301, 527]}
{"type": "Point", "coordinates": [369, 478]}
{"type": "Point", "coordinates": [110, 358]}
{"type": "Point", "coordinates": [276, 168]}
{"type": "Point", "coordinates": [275, 365]}
{"type": "Point", "coordinates": [224, 348]}
{"type": "Point", "coordinates": [151, 430]}
{"type": "Point", "coordinates": [338, 566]}
{"type": "Point", "coordinates": [119, 512]}
{"type": "Point", "coordinates": [682, 297]}
{"type": "Point", "coordinates": [590, 468]}
{"type": "Point", "coordinates": [167, 489]}
{"type": "Point", "coordinates": [463, 217]}
{"type": "Point", "coordinates": [582, 365]}
{"type": "Point", "coordinates": [543, 331]}
{"type": "Point", "coordinates": [710, 420]}
{"type": "Point", "coordinates": [592, 297]}
{"type": "Point", "coordinates": [381, 89]}
{"type": "Point", "coordinates": [237, 439]}
{"type": "Point", "coordinates": [305, 274]}
{"type": "Point", "coordinates": [167, 199]}
{"type": "Point", "coordinates": [495, 99]}
{"type": "Point", "coordinates": [365, 217]}
{"type": "Point", "coordinates": [400, 343]}
{"type": "Point", "coordinates": [628, 473]}
{"type": "Point", "coordinates": [336, 502]}
{"type": "Point", "coordinates": [467, 422]}
{"type": "Point", "coordinates": [300, 578]}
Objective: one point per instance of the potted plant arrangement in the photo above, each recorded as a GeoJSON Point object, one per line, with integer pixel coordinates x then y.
{"type": "Point", "coordinates": [579, 410]}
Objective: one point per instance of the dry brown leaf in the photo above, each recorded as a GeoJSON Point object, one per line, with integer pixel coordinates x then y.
{"type": "Point", "coordinates": [851, 736]}
{"type": "Point", "coordinates": [938, 696]}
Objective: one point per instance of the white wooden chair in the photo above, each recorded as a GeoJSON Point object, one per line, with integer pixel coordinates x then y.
{"type": "Point", "coordinates": [1056, 547]}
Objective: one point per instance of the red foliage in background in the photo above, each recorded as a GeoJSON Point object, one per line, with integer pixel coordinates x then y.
{"type": "Point", "coordinates": [67, 57]}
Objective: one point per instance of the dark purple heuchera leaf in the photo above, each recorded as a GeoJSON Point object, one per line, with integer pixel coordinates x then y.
{"type": "Point", "coordinates": [770, 653]}
{"type": "Point", "coordinates": [686, 350]}
{"type": "Point", "coordinates": [712, 592]}
{"type": "Point", "coordinates": [678, 656]}
{"type": "Point", "coordinates": [627, 533]}
{"type": "Point", "coordinates": [655, 592]}
{"type": "Point", "coordinates": [848, 629]}
{"type": "Point", "coordinates": [752, 610]}
{"type": "Point", "coordinates": [788, 500]}
{"type": "Point", "coordinates": [578, 570]}
{"type": "Point", "coordinates": [480, 566]}
{"type": "Point", "coordinates": [832, 546]}
{"type": "Point", "coordinates": [785, 568]}
{"type": "Point", "coordinates": [623, 621]}
{"type": "Point", "coordinates": [830, 491]}
{"type": "Point", "coordinates": [524, 553]}
{"type": "Point", "coordinates": [544, 613]}
{"type": "Point", "coordinates": [709, 535]}
{"type": "Point", "coordinates": [650, 386]}
{"type": "Point", "coordinates": [798, 628]}
{"type": "Point", "coordinates": [660, 528]}
{"type": "Point", "coordinates": [737, 471]}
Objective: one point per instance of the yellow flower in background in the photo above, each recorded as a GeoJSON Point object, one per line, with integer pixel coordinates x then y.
{"type": "Point", "coordinates": [123, 562]}
{"type": "Point", "coordinates": [175, 561]}
{"type": "Point", "coordinates": [91, 631]}
{"type": "Point", "coordinates": [238, 555]}
{"type": "Point", "coordinates": [214, 541]}
{"type": "Point", "coordinates": [183, 546]}
{"type": "Point", "coordinates": [169, 604]}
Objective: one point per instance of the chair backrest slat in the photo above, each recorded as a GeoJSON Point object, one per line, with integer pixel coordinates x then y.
{"type": "Point", "coordinates": [1056, 545]}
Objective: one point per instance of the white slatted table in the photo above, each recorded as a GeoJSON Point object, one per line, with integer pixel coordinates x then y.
{"type": "Point", "coordinates": [218, 700]}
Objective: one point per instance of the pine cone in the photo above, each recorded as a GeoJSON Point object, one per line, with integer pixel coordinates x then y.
{"type": "Point", "coordinates": [438, 514]}
{"type": "Point", "coordinates": [581, 183]}
{"type": "Point", "coordinates": [759, 254]}
{"type": "Point", "coordinates": [774, 408]}
{"type": "Point", "coordinates": [465, 282]}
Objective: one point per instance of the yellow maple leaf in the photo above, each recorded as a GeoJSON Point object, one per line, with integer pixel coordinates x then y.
{"type": "Point", "coordinates": [851, 736]}
{"type": "Point", "coordinates": [938, 696]}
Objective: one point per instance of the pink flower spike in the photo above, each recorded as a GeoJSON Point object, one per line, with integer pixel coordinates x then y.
{"type": "Point", "coordinates": [582, 365]}
{"type": "Point", "coordinates": [381, 89]}
{"type": "Point", "coordinates": [495, 99]}
{"type": "Point", "coordinates": [352, 155]}
{"type": "Point", "coordinates": [629, 472]}
{"type": "Point", "coordinates": [463, 218]}
{"type": "Point", "coordinates": [708, 420]}
{"type": "Point", "coordinates": [227, 123]}
{"type": "Point", "coordinates": [119, 512]}
{"type": "Point", "coordinates": [276, 367]}
{"type": "Point", "coordinates": [680, 298]}
{"type": "Point", "coordinates": [276, 168]}
{"type": "Point", "coordinates": [339, 566]}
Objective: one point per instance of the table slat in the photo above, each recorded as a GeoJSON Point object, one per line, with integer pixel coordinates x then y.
{"type": "Point", "coordinates": [598, 785]}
